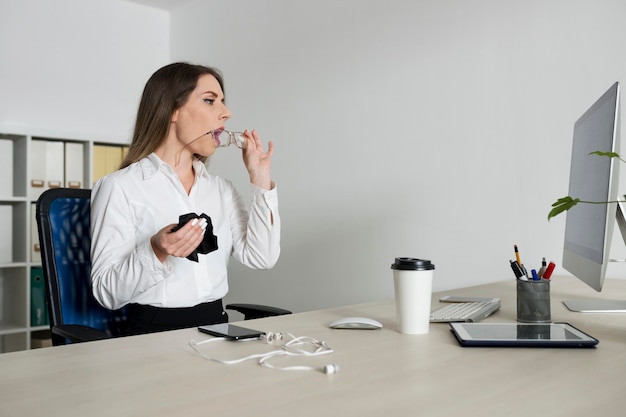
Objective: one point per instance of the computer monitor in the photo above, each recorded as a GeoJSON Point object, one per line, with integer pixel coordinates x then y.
{"type": "Point", "coordinates": [589, 227]}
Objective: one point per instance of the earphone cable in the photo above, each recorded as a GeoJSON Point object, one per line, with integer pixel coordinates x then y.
{"type": "Point", "coordinates": [289, 348]}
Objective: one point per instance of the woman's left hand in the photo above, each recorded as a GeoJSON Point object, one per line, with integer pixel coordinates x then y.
{"type": "Point", "coordinates": [257, 161]}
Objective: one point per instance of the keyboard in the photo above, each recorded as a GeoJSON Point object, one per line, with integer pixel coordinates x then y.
{"type": "Point", "coordinates": [465, 311]}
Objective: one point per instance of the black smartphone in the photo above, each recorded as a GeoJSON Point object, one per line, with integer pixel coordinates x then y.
{"type": "Point", "coordinates": [230, 331]}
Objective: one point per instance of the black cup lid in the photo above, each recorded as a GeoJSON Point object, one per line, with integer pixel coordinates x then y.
{"type": "Point", "coordinates": [412, 264]}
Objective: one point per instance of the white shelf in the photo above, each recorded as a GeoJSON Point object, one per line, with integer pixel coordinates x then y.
{"type": "Point", "coordinates": [17, 199]}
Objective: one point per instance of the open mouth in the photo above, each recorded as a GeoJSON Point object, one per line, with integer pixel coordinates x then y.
{"type": "Point", "coordinates": [216, 136]}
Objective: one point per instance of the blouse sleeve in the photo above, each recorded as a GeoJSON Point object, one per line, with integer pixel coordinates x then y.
{"type": "Point", "coordinates": [122, 266]}
{"type": "Point", "coordinates": [256, 235]}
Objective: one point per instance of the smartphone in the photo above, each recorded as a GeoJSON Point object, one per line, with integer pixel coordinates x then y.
{"type": "Point", "coordinates": [230, 331]}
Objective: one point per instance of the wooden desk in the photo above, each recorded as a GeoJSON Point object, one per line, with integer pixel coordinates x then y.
{"type": "Point", "coordinates": [383, 373]}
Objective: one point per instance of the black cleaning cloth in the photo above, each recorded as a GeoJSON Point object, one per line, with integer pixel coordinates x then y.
{"type": "Point", "coordinates": [208, 244]}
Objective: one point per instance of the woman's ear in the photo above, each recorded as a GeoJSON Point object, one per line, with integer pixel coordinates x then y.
{"type": "Point", "coordinates": [174, 116]}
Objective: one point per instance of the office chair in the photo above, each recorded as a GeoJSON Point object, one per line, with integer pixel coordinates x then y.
{"type": "Point", "coordinates": [63, 221]}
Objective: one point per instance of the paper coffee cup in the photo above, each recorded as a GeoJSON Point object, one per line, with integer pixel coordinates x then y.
{"type": "Point", "coordinates": [413, 283]}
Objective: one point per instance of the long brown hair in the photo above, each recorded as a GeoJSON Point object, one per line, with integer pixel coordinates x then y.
{"type": "Point", "coordinates": [165, 92]}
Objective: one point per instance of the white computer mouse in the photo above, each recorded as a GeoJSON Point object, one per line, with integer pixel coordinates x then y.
{"type": "Point", "coordinates": [355, 323]}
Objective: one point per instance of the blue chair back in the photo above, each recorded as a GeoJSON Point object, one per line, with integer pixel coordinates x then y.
{"type": "Point", "coordinates": [63, 219]}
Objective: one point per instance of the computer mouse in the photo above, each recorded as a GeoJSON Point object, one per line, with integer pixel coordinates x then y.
{"type": "Point", "coordinates": [355, 323]}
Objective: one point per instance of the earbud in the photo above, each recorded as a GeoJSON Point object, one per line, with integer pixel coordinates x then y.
{"type": "Point", "coordinates": [272, 337]}
{"type": "Point", "coordinates": [331, 368]}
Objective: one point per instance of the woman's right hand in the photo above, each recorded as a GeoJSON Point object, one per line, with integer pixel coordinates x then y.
{"type": "Point", "coordinates": [179, 243]}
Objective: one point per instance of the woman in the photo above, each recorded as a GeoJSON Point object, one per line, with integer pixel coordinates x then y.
{"type": "Point", "coordinates": [137, 258]}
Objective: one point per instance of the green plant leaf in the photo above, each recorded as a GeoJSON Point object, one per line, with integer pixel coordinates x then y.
{"type": "Point", "coordinates": [609, 154]}
{"type": "Point", "coordinates": [561, 205]}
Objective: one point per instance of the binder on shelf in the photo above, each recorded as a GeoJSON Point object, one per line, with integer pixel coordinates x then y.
{"type": "Point", "coordinates": [35, 249]}
{"type": "Point", "coordinates": [6, 168]}
{"type": "Point", "coordinates": [6, 237]}
{"type": "Point", "coordinates": [38, 303]}
{"type": "Point", "coordinates": [37, 168]}
{"type": "Point", "coordinates": [54, 164]}
{"type": "Point", "coordinates": [46, 166]}
{"type": "Point", "coordinates": [38, 341]}
{"type": "Point", "coordinates": [106, 159]}
{"type": "Point", "coordinates": [74, 165]}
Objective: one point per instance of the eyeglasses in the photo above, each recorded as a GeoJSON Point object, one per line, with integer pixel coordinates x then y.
{"type": "Point", "coordinates": [225, 138]}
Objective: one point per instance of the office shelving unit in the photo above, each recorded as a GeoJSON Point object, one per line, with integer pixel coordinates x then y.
{"type": "Point", "coordinates": [18, 233]}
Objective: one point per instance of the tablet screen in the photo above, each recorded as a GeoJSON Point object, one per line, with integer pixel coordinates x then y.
{"type": "Point", "coordinates": [521, 334]}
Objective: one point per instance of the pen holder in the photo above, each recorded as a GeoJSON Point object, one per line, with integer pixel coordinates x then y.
{"type": "Point", "coordinates": [533, 301]}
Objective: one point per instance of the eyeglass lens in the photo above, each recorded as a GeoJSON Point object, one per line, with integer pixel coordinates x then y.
{"type": "Point", "coordinates": [224, 138]}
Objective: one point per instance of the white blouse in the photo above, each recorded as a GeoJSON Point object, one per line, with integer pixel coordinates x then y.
{"type": "Point", "coordinates": [129, 206]}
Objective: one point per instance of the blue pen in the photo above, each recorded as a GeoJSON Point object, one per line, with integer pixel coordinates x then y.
{"type": "Point", "coordinates": [535, 276]}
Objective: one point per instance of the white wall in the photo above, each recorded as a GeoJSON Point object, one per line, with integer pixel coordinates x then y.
{"type": "Point", "coordinates": [76, 68]}
{"type": "Point", "coordinates": [435, 129]}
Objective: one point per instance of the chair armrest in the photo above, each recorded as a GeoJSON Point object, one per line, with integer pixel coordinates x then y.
{"type": "Point", "coordinates": [256, 311]}
{"type": "Point", "coordinates": [79, 333]}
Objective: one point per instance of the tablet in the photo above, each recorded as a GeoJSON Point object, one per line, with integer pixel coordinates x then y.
{"type": "Point", "coordinates": [521, 334]}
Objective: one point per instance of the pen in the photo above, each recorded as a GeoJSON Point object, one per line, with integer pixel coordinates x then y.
{"type": "Point", "coordinates": [542, 270]}
{"type": "Point", "coordinates": [525, 271]}
{"type": "Point", "coordinates": [535, 275]}
{"type": "Point", "coordinates": [549, 270]}
{"type": "Point", "coordinates": [517, 270]}
{"type": "Point", "coordinates": [519, 261]}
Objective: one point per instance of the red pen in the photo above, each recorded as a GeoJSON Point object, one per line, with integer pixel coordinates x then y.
{"type": "Point", "coordinates": [549, 270]}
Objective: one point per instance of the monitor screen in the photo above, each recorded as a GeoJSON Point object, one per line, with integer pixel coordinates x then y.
{"type": "Point", "coordinates": [594, 178]}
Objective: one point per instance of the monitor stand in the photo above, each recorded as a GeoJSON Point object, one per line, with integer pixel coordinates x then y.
{"type": "Point", "coordinates": [596, 306]}
{"type": "Point", "coordinates": [601, 305]}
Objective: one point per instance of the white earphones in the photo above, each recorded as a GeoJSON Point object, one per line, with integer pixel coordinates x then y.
{"type": "Point", "coordinates": [272, 337]}
{"type": "Point", "coordinates": [331, 368]}
{"type": "Point", "coordinates": [294, 347]}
